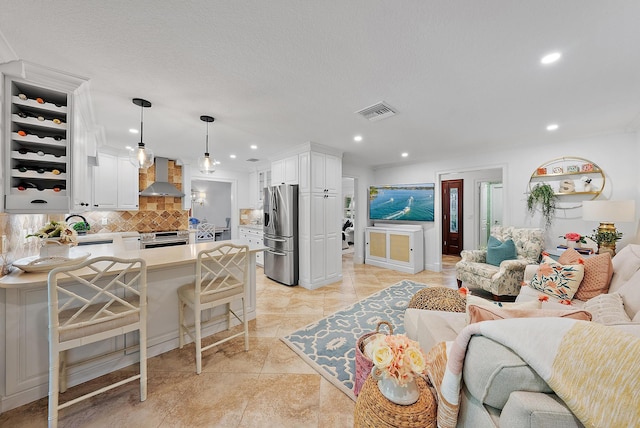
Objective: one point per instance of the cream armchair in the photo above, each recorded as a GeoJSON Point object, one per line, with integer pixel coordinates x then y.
{"type": "Point", "coordinates": [503, 280]}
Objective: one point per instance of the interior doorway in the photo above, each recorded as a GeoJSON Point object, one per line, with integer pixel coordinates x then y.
{"type": "Point", "coordinates": [491, 202]}
{"type": "Point", "coordinates": [212, 203]}
{"type": "Point", "coordinates": [348, 215]}
{"type": "Point", "coordinates": [452, 217]}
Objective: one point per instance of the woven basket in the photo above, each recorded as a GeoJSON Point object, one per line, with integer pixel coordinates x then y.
{"type": "Point", "coordinates": [364, 364]}
{"type": "Point", "coordinates": [373, 410]}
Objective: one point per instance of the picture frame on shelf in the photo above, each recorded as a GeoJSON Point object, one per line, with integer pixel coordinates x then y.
{"type": "Point", "coordinates": [558, 170]}
{"type": "Point", "coordinates": [573, 168]}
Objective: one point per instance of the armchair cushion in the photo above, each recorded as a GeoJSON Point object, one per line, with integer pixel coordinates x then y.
{"type": "Point", "coordinates": [498, 251]}
{"type": "Point", "coordinates": [558, 280]}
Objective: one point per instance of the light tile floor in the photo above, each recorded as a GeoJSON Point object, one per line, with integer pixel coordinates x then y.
{"type": "Point", "coordinates": [269, 386]}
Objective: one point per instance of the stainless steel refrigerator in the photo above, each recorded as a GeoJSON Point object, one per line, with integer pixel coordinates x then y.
{"type": "Point", "coordinates": [281, 233]}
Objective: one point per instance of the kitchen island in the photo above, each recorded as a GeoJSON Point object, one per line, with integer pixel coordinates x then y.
{"type": "Point", "coordinates": [24, 363]}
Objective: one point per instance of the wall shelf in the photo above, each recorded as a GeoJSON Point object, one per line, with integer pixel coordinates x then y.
{"type": "Point", "coordinates": [565, 175]}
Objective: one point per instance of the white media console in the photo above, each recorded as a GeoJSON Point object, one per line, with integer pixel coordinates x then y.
{"type": "Point", "coordinates": [397, 247]}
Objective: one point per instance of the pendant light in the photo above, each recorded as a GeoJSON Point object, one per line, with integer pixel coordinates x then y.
{"type": "Point", "coordinates": [206, 164]}
{"type": "Point", "coordinates": [141, 157]}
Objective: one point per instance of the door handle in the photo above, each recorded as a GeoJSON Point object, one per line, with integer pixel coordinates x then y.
{"type": "Point", "coordinates": [276, 253]}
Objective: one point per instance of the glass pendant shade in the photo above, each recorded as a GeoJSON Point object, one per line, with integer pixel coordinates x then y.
{"type": "Point", "coordinates": [206, 164]}
{"type": "Point", "coordinates": [141, 157]}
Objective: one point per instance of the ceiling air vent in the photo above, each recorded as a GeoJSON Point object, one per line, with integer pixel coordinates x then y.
{"type": "Point", "coordinates": [377, 111]}
{"type": "Point", "coordinates": [252, 160]}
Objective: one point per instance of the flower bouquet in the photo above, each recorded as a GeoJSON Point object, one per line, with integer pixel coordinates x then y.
{"type": "Point", "coordinates": [397, 360]}
{"type": "Point", "coordinates": [574, 239]}
{"type": "Point", "coordinates": [56, 237]}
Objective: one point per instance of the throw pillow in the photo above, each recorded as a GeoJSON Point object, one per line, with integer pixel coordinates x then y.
{"type": "Point", "coordinates": [625, 264]}
{"type": "Point", "coordinates": [630, 293]}
{"type": "Point", "coordinates": [598, 270]}
{"type": "Point", "coordinates": [607, 309]}
{"type": "Point", "coordinates": [478, 313]}
{"type": "Point", "coordinates": [557, 280]}
{"type": "Point", "coordinates": [498, 251]}
{"type": "Point", "coordinates": [480, 302]}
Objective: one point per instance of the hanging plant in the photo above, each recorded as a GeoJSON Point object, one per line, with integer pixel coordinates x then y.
{"type": "Point", "coordinates": [542, 195]}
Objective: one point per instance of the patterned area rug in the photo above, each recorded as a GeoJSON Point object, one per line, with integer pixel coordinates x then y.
{"type": "Point", "coordinates": [329, 345]}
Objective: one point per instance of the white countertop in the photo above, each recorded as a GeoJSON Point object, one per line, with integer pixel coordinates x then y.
{"type": "Point", "coordinates": [156, 258]}
{"type": "Point", "coordinates": [252, 226]}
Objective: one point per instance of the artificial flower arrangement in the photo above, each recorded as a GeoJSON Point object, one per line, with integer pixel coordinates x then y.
{"type": "Point", "coordinates": [58, 230]}
{"type": "Point", "coordinates": [398, 358]}
{"type": "Point", "coordinates": [575, 237]}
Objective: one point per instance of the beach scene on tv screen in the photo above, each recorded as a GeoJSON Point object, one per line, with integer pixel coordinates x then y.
{"type": "Point", "coordinates": [411, 202]}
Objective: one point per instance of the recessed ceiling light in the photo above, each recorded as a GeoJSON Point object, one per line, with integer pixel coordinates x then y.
{"type": "Point", "coordinates": [129, 148]}
{"type": "Point", "coordinates": [253, 147]}
{"type": "Point", "coordinates": [133, 131]}
{"type": "Point", "coordinates": [552, 127]}
{"type": "Point", "coordinates": [232, 156]}
{"type": "Point", "coordinates": [405, 154]}
{"type": "Point", "coordinates": [550, 58]}
{"type": "Point", "coordinates": [357, 138]}
{"type": "Point", "coordinates": [217, 162]}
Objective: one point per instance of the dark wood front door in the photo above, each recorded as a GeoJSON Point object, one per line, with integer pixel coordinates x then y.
{"type": "Point", "coordinates": [452, 217]}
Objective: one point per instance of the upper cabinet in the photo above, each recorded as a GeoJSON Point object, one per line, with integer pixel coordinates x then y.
{"type": "Point", "coordinates": [285, 171]}
{"type": "Point", "coordinates": [44, 139]}
{"type": "Point", "coordinates": [38, 134]}
{"type": "Point", "coordinates": [115, 183]}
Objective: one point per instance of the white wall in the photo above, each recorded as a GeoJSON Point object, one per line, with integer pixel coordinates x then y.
{"type": "Point", "coordinates": [616, 154]}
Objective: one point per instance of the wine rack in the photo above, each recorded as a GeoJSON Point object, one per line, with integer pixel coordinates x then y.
{"type": "Point", "coordinates": [38, 148]}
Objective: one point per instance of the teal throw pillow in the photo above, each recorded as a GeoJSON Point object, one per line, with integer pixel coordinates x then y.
{"type": "Point", "coordinates": [498, 251]}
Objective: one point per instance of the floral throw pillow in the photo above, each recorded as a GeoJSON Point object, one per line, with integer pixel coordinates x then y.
{"type": "Point", "coordinates": [557, 280]}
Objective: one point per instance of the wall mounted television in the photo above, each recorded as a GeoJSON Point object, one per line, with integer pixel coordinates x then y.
{"type": "Point", "coordinates": [402, 202]}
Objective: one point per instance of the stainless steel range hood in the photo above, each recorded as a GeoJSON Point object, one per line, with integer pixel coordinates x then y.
{"type": "Point", "coordinates": [162, 187]}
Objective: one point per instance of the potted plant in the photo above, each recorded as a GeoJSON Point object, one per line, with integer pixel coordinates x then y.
{"type": "Point", "coordinates": [606, 240]}
{"type": "Point", "coordinates": [542, 195]}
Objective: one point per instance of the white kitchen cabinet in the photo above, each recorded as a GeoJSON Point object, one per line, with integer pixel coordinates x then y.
{"type": "Point", "coordinates": [325, 172]}
{"type": "Point", "coordinates": [253, 236]}
{"type": "Point", "coordinates": [128, 186]}
{"type": "Point", "coordinates": [115, 183]}
{"type": "Point", "coordinates": [258, 180]}
{"type": "Point", "coordinates": [41, 114]}
{"type": "Point", "coordinates": [285, 170]}
{"type": "Point", "coordinates": [395, 247]}
{"type": "Point", "coordinates": [326, 253]}
{"type": "Point", "coordinates": [105, 188]}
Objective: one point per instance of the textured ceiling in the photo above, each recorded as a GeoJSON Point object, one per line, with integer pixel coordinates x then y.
{"type": "Point", "coordinates": [463, 75]}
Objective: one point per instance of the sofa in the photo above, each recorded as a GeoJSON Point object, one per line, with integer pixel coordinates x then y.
{"type": "Point", "coordinates": [475, 270]}
{"type": "Point", "coordinates": [498, 388]}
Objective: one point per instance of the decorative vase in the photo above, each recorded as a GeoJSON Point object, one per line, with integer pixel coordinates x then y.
{"type": "Point", "coordinates": [52, 247]}
{"type": "Point", "coordinates": [399, 394]}
{"type": "Point", "coordinates": [574, 244]}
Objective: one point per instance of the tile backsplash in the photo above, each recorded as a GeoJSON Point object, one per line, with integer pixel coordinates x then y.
{"type": "Point", "coordinates": [250, 216]}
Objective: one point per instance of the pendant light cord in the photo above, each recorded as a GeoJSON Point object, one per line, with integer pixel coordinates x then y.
{"type": "Point", "coordinates": [207, 141]}
{"type": "Point", "coordinates": [141, 127]}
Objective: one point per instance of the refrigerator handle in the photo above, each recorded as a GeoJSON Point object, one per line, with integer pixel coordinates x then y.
{"type": "Point", "coordinates": [275, 239]}
{"type": "Point", "coordinates": [277, 253]}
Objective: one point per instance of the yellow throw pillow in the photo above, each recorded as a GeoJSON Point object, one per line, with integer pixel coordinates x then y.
{"type": "Point", "coordinates": [558, 280]}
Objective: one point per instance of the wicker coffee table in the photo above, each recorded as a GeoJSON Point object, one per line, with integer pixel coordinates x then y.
{"type": "Point", "coordinates": [373, 410]}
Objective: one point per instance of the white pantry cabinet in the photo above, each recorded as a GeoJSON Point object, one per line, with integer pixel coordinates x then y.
{"type": "Point", "coordinates": [285, 171]}
{"type": "Point", "coordinates": [395, 247]}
